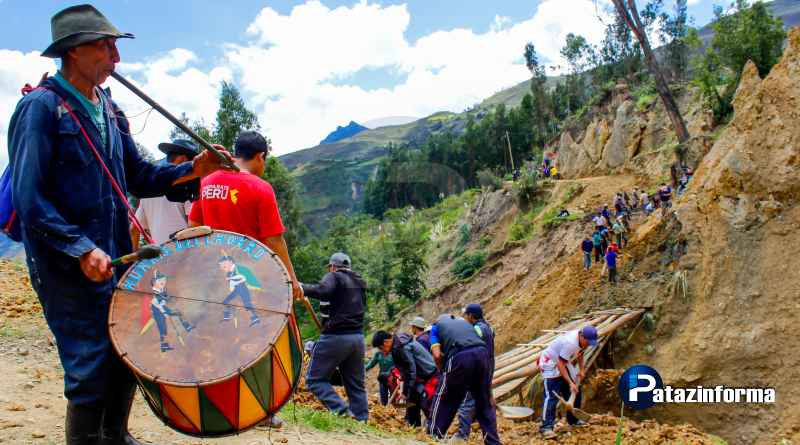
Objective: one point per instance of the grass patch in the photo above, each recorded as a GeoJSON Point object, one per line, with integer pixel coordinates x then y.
{"type": "Point", "coordinates": [551, 220]}
{"type": "Point", "coordinates": [324, 420]}
{"type": "Point", "coordinates": [523, 227]}
{"type": "Point", "coordinates": [468, 264]}
{"type": "Point", "coordinates": [645, 96]}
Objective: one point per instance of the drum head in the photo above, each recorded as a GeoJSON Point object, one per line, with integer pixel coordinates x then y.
{"type": "Point", "coordinates": [207, 308]}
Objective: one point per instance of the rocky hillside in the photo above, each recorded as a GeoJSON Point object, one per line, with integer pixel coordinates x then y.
{"type": "Point", "coordinates": [717, 273]}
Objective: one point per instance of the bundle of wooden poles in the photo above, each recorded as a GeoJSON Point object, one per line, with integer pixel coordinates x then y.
{"type": "Point", "coordinates": [515, 368]}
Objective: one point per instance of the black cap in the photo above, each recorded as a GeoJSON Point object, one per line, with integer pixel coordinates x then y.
{"type": "Point", "coordinates": [250, 143]}
{"type": "Point", "coordinates": [180, 147]}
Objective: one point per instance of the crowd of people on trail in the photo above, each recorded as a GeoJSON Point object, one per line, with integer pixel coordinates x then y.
{"type": "Point", "coordinates": [611, 228]}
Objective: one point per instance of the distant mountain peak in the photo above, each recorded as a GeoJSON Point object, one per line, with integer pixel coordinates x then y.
{"type": "Point", "coordinates": [352, 129]}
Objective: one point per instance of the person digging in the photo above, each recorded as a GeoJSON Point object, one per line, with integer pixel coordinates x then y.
{"type": "Point", "coordinates": [559, 375]}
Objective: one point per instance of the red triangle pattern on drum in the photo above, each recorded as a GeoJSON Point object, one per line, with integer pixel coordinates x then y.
{"type": "Point", "coordinates": [282, 389]}
{"type": "Point", "coordinates": [175, 415]}
{"type": "Point", "coordinates": [225, 396]}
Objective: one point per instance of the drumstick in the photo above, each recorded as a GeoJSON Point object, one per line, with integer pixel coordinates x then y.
{"type": "Point", "coordinates": [175, 121]}
{"type": "Point", "coordinates": [144, 253]}
{"type": "Point", "coordinates": [311, 312]}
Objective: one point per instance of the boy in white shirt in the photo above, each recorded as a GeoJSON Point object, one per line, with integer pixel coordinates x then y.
{"type": "Point", "coordinates": [558, 366]}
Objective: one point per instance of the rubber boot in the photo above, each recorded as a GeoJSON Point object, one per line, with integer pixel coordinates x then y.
{"type": "Point", "coordinates": [82, 424]}
{"type": "Point", "coordinates": [115, 419]}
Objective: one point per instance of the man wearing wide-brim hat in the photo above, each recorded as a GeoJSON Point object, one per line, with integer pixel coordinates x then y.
{"type": "Point", "coordinates": [72, 220]}
{"type": "Point", "coordinates": [159, 216]}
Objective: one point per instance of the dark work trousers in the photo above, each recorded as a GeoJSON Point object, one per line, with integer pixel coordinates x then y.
{"type": "Point", "coordinates": [346, 352]}
{"type": "Point", "coordinates": [466, 414]}
{"type": "Point", "coordinates": [553, 386]}
{"type": "Point", "coordinates": [612, 275]}
{"type": "Point", "coordinates": [414, 409]}
{"type": "Point", "coordinates": [598, 253]}
{"type": "Point", "coordinates": [470, 371]}
{"type": "Point", "coordinates": [383, 388]}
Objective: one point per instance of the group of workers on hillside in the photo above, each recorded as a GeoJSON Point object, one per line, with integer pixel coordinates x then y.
{"type": "Point", "coordinates": [611, 228]}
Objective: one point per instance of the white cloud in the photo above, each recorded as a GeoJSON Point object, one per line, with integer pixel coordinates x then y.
{"type": "Point", "coordinates": [178, 87]}
{"type": "Point", "coordinates": [294, 69]}
{"type": "Point", "coordinates": [17, 69]}
{"type": "Point", "coordinates": [287, 69]}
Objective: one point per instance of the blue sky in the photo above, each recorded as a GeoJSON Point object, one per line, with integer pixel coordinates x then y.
{"type": "Point", "coordinates": [307, 66]}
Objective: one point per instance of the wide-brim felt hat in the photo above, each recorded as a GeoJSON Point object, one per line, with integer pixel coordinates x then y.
{"type": "Point", "coordinates": [180, 147]}
{"type": "Point", "coordinates": [78, 25]}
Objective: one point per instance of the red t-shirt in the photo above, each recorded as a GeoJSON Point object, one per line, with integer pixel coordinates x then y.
{"type": "Point", "coordinates": [238, 202]}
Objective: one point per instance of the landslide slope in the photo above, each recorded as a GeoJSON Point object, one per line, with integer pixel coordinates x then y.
{"type": "Point", "coordinates": [718, 274]}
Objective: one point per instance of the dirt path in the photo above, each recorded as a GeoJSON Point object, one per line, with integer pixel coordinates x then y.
{"type": "Point", "coordinates": [32, 406]}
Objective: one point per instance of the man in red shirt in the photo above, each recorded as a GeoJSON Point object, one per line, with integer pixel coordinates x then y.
{"type": "Point", "coordinates": [243, 202]}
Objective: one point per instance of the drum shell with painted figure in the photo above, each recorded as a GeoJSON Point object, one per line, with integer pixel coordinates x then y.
{"type": "Point", "coordinates": [222, 305]}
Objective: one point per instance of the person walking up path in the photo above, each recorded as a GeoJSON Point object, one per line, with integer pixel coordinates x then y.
{"type": "Point", "coordinates": [587, 245]}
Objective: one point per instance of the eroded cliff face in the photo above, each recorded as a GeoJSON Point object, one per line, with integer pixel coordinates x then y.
{"type": "Point", "coordinates": [740, 224]}
{"type": "Point", "coordinates": [621, 138]}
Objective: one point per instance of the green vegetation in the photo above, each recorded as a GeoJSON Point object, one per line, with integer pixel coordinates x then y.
{"type": "Point", "coordinates": [526, 187]}
{"type": "Point", "coordinates": [523, 228]}
{"type": "Point", "coordinates": [325, 420]}
{"type": "Point", "coordinates": [391, 254]}
{"type": "Point", "coordinates": [468, 264]}
{"type": "Point", "coordinates": [745, 33]}
{"type": "Point", "coordinates": [645, 95]}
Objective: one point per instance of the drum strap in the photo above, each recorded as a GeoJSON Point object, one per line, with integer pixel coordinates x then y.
{"type": "Point", "coordinates": [131, 213]}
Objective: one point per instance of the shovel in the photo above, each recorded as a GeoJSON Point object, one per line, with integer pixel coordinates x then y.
{"type": "Point", "coordinates": [569, 405]}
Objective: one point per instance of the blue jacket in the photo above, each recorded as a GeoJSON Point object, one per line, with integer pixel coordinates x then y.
{"type": "Point", "coordinates": [67, 207]}
{"type": "Point", "coordinates": [487, 335]}
{"type": "Point", "coordinates": [65, 203]}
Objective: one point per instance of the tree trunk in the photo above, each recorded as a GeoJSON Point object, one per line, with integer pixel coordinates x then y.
{"type": "Point", "coordinates": [630, 14]}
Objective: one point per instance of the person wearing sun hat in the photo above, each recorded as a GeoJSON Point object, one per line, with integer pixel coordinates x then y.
{"type": "Point", "coordinates": [73, 222]}
{"type": "Point", "coordinates": [159, 216]}
{"type": "Point", "coordinates": [560, 376]}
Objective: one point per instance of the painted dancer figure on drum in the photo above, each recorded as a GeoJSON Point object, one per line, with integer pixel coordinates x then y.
{"type": "Point", "coordinates": [160, 310]}
{"type": "Point", "coordinates": [243, 202]}
{"type": "Point", "coordinates": [238, 285]}
{"type": "Point", "coordinates": [74, 222]}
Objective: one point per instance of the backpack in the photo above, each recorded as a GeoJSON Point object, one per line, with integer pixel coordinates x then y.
{"type": "Point", "coordinates": [9, 222]}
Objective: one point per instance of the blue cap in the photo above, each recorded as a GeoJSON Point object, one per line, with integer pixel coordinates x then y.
{"type": "Point", "coordinates": [475, 310]}
{"type": "Point", "coordinates": [589, 332]}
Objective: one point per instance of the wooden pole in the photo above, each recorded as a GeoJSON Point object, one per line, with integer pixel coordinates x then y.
{"type": "Point", "coordinates": [510, 154]}
{"type": "Point", "coordinates": [175, 121]}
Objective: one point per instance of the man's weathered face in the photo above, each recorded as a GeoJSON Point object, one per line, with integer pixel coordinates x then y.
{"type": "Point", "coordinates": [96, 60]}
{"type": "Point", "coordinates": [470, 318]}
{"type": "Point", "coordinates": [582, 341]}
{"type": "Point", "coordinates": [386, 347]}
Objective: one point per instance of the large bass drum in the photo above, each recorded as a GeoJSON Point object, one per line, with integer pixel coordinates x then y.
{"type": "Point", "coordinates": [208, 330]}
